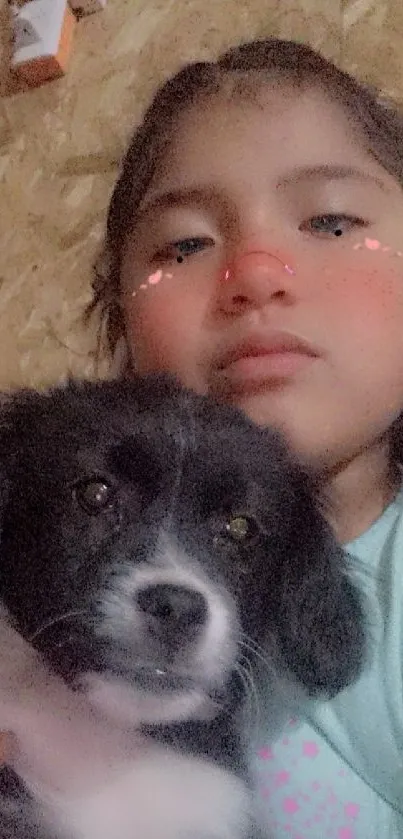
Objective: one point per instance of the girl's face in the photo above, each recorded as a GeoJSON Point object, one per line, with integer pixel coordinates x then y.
{"type": "Point", "coordinates": [246, 189]}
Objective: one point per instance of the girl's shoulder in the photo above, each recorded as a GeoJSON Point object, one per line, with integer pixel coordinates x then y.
{"type": "Point", "coordinates": [308, 789]}
{"type": "Point", "coordinates": [338, 771]}
{"type": "Point", "coordinates": [385, 535]}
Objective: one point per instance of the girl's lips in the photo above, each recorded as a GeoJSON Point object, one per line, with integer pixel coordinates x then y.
{"type": "Point", "coordinates": [273, 358]}
{"type": "Point", "coordinates": [255, 370]}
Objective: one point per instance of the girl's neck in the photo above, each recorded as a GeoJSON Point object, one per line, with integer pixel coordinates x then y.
{"type": "Point", "coordinates": [359, 492]}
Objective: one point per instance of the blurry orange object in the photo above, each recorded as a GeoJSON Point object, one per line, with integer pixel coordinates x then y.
{"type": "Point", "coordinates": [47, 57]}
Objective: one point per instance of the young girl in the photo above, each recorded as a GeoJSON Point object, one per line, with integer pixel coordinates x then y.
{"type": "Point", "coordinates": [252, 249]}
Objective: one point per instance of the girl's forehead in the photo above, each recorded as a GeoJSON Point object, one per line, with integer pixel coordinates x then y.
{"type": "Point", "coordinates": [226, 138]}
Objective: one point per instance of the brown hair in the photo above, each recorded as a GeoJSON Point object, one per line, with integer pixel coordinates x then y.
{"type": "Point", "coordinates": [239, 68]}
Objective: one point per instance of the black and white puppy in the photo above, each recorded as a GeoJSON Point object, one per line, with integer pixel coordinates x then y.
{"type": "Point", "coordinates": [162, 553]}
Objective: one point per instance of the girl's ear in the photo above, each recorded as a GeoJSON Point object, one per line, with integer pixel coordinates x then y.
{"type": "Point", "coordinates": [322, 625]}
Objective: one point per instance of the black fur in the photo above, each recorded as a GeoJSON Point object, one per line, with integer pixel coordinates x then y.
{"type": "Point", "coordinates": [179, 464]}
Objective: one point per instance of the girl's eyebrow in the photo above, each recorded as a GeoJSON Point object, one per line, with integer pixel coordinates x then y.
{"type": "Point", "coordinates": [187, 196]}
{"type": "Point", "coordinates": [209, 194]}
{"type": "Point", "coordinates": [330, 172]}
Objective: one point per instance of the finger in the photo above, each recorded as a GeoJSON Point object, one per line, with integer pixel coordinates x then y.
{"type": "Point", "coordinates": [7, 747]}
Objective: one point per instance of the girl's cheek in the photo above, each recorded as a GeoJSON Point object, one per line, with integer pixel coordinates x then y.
{"type": "Point", "coordinates": [163, 327]}
{"type": "Point", "coordinates": [363, 282]}
{"type": "Point", "coordinates": [381, 287]}
{"type": "Point", "coordinates": [168, 292]}
{"type": "Point", "coordinates": [151, 303]}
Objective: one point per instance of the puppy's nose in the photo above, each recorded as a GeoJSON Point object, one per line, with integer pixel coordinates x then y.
{"type": "Point", "coordinates": [174, 607]}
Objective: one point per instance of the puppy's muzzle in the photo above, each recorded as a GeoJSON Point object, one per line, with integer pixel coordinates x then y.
{"type": "Point", "coordinates": [174, 614]}
{"type": "Point", "coordinates": [174, 618]}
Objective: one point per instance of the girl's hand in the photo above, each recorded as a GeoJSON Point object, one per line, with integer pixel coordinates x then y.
{"type": "Point", "coordinates": [57, 740]}
{"type": "Point", "coordinates": [7, 747]}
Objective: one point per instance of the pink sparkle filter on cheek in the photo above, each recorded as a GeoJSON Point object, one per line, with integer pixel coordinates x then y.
{"type": "Point", "coordinates": [376, 245]}
{"type": "Point", "coordinates": [153, 279]}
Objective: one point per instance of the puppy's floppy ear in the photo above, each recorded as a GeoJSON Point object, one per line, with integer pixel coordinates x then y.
{"type": "Point", "coordinates": [322, 627]}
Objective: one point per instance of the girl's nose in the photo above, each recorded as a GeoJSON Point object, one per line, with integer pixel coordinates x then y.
{"type": "Point", "coordinates": [253, 279]}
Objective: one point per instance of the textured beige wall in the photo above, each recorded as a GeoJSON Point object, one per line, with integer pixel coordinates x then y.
{"type": "Point", "coordinates": [59, 144]}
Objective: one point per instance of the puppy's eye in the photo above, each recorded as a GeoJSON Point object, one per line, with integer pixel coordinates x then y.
{"type": "Point", "coordinates": [242, 529]}
{"type": "Point", "coordinates": [94, 496]}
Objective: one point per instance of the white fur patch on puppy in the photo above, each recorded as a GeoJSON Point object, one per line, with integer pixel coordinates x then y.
{"type": "Point", "coordinates": [163, 794]}
{"type": "Point", "coordinates": [122, 704]}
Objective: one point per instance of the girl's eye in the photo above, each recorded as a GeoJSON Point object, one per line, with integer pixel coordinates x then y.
{"type": "Point", "coordinates": [182, 248]}
{"type": "Point", "coordinates": [333, 224]}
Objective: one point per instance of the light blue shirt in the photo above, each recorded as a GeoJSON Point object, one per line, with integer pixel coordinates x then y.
{"type": "Point", "coordinates": [338, 774]}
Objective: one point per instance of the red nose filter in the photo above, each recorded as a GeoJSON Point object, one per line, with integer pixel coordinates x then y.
{"type": "Point", "coordinates": [258, 260]}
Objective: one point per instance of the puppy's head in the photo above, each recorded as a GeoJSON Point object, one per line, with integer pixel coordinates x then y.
{"type": "Point", "coordinates": [152, 541]}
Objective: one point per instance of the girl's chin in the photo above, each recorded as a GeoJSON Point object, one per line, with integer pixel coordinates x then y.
{"type": "Point", "coordinates": [259, 407]}
{"type": "Point", "coordinates": [302, 438]}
